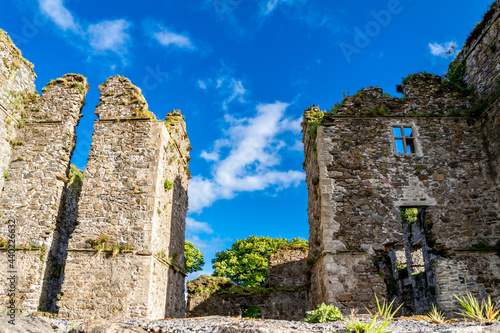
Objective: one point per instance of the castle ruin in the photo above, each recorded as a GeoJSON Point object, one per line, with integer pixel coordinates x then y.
{"type": "Point", "coordinates": [404, 193]}
{"type": "Point", "coordinates": [110, 245]}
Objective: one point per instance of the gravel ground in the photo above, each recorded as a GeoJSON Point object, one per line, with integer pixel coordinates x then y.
{"type": "Point", "coordinates": [237, 325]}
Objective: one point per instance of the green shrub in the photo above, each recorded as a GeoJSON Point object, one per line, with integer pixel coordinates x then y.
{"type": "Point", "coordinates": [323, 314]}
{"type": "Point", "coordinates": [481, 312]}
{"type": "Point", "coordinates": [168, 185]}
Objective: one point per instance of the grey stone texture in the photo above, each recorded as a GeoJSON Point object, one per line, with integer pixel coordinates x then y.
{"type": "Point", "coordinates": [112, 244]}
{"type": "Point", "coordinates": [358, 184]}
{"type": "Point", "coordinates": [134, 193]}
{"type": "Point", "coordinates": [40, 133]}
{"type": "Point", "coordinates": [285, 298]}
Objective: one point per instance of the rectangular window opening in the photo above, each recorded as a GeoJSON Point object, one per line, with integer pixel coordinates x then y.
{"type": "Point", "coordinates": [251, 312]}
{"type": "Point", "coordinates": [404, 139]}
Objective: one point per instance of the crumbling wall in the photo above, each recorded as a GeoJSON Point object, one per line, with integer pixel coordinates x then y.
{"type": "Point", "coordinates": [17, 79]}
{"type": "Point", "coordinates": [129, 221]}
{"type": "Point", "coordinates": [285, 298]}
{"type": "Point", "coordinates": [35, 179]}
{"type": "Point", "coordinates": [478, 62]}
{"type": "Point", "coordinates": [362, 183]}
{"type": "Point", "coordinates": [287, 268]}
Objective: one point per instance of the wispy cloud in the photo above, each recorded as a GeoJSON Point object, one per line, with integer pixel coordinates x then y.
{"type": "Point", "coordinates": [269, 6]}
{"type": "Point", "coordinates": [196, 227]}
{"type": "Point", "coordinates": [251, 147]}
{"type": "Point", "coordinates": [109, 36]}
{"type": "Point", "coordinates": [169, 38]}
{"type": "Point", "coordinates": [444, 50]}
{"type": "Point", "coordinates": [104, 37]}
{"type": "Point", "coordinates": [226, 85]}
{"type": "Point", "coordinates": [59, 14]}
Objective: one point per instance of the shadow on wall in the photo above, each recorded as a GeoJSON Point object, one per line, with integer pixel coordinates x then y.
{"type": "Point", "coordinates": [65, 226]}
{"type": "Point", "coordinates": [210, 296]}
{"type": "Point", "coordinates": [175, 303]}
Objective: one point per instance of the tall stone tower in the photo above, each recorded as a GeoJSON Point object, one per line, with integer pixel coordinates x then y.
{"type": "Point", "coordinates": [37, 140]}
{"type": "Point", "coordinates": [404, 192]}
{"type": "Point", "coordinates": [112, 245]}
{"type": "Point", "coordinates": [126, 256]}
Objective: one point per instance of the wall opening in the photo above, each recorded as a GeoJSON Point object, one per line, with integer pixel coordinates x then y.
{"type": "Point", "coordinates": [251, 312]}
{"type": "Point", "coordinates": [407, 268]}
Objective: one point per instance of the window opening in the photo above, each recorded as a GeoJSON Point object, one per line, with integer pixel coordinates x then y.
{"type": "Point", "coordinates": [251, 312]}
{"type": "Point", "coordinates": [404, 139]}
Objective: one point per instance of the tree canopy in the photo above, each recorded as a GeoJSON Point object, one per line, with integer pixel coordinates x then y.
{"type": "Point", "coordinates": [193, 257]}
{"type": "Point", "coordinates": [245, 263]}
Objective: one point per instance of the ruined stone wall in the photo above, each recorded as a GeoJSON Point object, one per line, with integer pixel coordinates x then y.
{"type": "Point", "coordinates": [127, 205]}
{"type": "Point", "coordinates": [16, 80]}
{"type": "Point", "coordinates": [480, 57]}
{"type": "Point", "coordinates": [209, 296]}
{"type": "Point", "coordinates": [481, 54]}
{"type": "Point", "coordinates": [287, 268]}
{"type": "Point", "coordinates": [35, 179]}
{"type": "Point", "coordinates": [362, 183]}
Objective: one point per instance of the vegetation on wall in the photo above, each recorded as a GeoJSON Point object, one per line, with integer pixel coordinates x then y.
{"type": "Point", "coordinates": [246, 262]}
{"type": "Point", "coordinates": [193, 258]}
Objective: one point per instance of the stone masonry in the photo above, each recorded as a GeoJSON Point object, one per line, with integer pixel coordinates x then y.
{"type": "Point", "coordinates": [111, 245]}
{"type": "Point", "coordinates": [285, 298]}
{"type": "Point", "coordinates": [361, 184]}
{"type": "Point", "coordinates": [134, 193]}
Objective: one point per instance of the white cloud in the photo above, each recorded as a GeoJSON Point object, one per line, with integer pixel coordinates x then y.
{"type": "Point", "coordinates": [109, 36]}
{"type": "Point", "coordinates": [445, 50]}
{"type": "Point", "coordinates": [61, 16]}
{"type": "Point", "coordinates": [202, 84]}
{"type": "Point", "coordinates": [253, 154]}
{"type": "Point", "coordinates": [237, 92]}
{"type": "Point", "coordinates": [196, 227]}
{"type": "Point", "coordinates": [167, 38]}
{"type": "Point", "coordinates": [230, 88]}
{"type": "Point", "coordinates": [270, 6]}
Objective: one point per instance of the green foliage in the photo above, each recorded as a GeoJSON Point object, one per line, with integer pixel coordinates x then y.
{"type": "Point", "coordinates": [481, 312]}
{"type": "Point", "coordinates": [15, 142]}
{"type": "Point", "coordinates": [374, 111]}
{"type": "Point", "coordinates": [436, 317]}
{"type": "Point", "coordinates": [409, 215]}
{"type": "Point", "coordinates": [335, 109]}
{"type": "Point", "coordinates": [245, 263]}
{"type": "Point", "coordinates": [168, 185]}
{"type": "Point", "coordinates": [6, 174]}
{"type": "Point", "coordinates": [251, 312]}
{"type": "Point", "coordinates": [76, 177]}
{"type": "Point", "coordinates": [384, 310]}
{"type": "Point", "coordinates": [478, 29]}
{"type": "Point", "coordinates": [193, 258]}
{"type": "Point", "coordinates": [456, 74]}
{"type": "Point", "coordinates": [323, 314]}
{"type": "Point", "coordinates": [355, 326]}
{"type": "Point", "coordinates": [315, 118]}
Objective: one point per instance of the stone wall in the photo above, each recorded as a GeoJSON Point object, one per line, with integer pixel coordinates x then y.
{"type": "Point", "coordinates": [111, 245]}
{"type": "Point", "coordinates": [287, 268]}
{"type": "Point", "coordinates": [285, 298]}
{"type": "Point", "coordinates": [133, 203]}
{"type": "Point", "coordinates": [16, 81]}
{"type": "Point", "coordinates": [230, 300]}
{"type": "Point", "coordinates": [360, 183]}
{"type": "Point", "coordinates": [35, 179]}
{"type": "Point", "coordinates": [481, 54]}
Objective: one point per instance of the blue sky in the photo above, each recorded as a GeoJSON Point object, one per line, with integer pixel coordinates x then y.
{"type": "Point", "coordinates": [242, 72]}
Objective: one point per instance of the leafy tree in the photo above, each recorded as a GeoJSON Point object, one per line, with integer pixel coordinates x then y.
{"type": "Point", "coordinates": [193, 257]}
{"type": "Point", "coordinates": [245, 263]}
